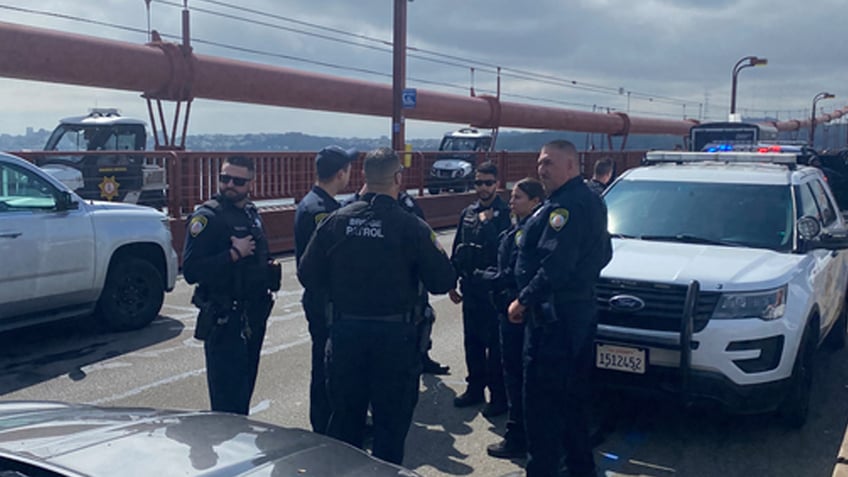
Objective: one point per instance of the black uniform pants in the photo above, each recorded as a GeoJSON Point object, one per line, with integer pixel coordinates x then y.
{"type": "Point", "coordinates": [319, 400]}
{"type": "Point", "coordinates": [557, 370]}
{"type": "Point", "coordinates": [512, 348]}
{"type": "Point", "coordinates": [232, 358]}
{"type": "Point", "coordinates": [376, 363]}
{"type": "Point", "coordinates": [482, 346]}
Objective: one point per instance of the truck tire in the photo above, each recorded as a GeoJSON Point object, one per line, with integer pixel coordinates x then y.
{"type": "Point", "coordinates": [796, 405]}
{"type": "Point", "coordinates": [838, 335]}
{"type": "Point", "coordinates": [433, 190]}
{"type": "Point", "coordinates": [132, 296]}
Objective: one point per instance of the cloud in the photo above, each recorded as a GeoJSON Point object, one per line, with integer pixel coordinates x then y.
{"type": "Point", "coordinates": [673, 56]}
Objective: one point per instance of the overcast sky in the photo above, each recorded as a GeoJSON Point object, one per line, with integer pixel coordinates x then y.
{"type": "Point", "coordinates": [674, 57]}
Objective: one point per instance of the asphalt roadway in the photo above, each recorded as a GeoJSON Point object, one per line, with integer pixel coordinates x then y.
{"type": "Point", "coordinates": [162, 366]}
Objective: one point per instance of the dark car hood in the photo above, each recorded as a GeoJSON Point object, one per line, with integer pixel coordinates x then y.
{"type": "Point", "coordinates": [145, 442]}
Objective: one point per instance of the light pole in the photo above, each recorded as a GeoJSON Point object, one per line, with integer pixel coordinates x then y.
{"type": "Point", "coordinates": [816, 99]}
{"type": "Point", "coordinates": [398, 74]}
{"type": "Point", "coordinates": [739, 66]}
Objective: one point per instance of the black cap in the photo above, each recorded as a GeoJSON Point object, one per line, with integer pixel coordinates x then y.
{"type": "Point", "coordinates": [332, 159]}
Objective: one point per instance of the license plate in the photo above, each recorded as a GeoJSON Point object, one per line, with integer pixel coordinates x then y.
{"type": "Point", "coordinates": [621, 358]}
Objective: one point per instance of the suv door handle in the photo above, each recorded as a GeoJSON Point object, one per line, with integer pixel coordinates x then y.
{"type": "Point", "coordinates": [10, 235]}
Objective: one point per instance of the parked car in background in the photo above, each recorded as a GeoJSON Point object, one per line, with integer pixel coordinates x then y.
{"type": "Point", "coordinates": [52, 439]}
{"type": "Point", "coordinates": [63, 256]}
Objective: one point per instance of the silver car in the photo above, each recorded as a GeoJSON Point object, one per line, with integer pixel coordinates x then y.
{"type": "Point", "coordinates": [57, 439]}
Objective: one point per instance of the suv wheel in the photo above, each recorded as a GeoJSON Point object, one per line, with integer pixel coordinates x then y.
{"type": "Point", "coordinates": [433, 190]}
{"type": "Point", "coordinates": [796, 405]}
{"type": "Point", "coordinates": [836, 339]}
{"type": "Point", "coordinates": [132, 296]}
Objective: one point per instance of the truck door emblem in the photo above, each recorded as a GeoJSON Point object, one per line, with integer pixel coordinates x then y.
{"type": "Point", "coordinates": [109, 187]}
{"type": "Point", "coordinates": [626, 303]}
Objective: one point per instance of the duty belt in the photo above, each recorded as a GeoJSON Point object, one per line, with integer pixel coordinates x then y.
{"type": "Point", "coordinates": [575, 295]}
{"type": "Point", "coordinates": [408, 317]}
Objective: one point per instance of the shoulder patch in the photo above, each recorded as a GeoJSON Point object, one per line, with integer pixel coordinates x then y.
{"type": "Point", "coordinates": [558, 218]}
{"type": "Point", "coordinates": [197, 224]}
{"type": "Point", "coordinates": [320, 217]}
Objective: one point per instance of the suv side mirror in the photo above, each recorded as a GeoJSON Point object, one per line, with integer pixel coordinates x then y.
{"type": "Point", "coordinates": [810, 230]}
{"type": "Point", "coordinates": [65, 201]}
{"type": "Point", "coordinates": [830, 242]}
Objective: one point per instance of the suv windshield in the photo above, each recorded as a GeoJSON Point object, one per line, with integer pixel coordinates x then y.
{"type": "Point", "coordinates": [460, 144]}
{"type": "Point", "coordinates": [751, 215]}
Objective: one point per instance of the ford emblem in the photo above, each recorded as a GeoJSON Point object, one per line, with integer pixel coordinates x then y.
{"type": "Point", "coordinates": [626, 303]}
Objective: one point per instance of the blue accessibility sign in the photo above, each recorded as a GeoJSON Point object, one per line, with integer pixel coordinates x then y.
{"type": "Point", "coordinates": [409, 98]}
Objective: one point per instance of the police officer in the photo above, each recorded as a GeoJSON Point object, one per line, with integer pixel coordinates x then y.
{"type": "Point", "coordinates": [527, 196]}
{"type": "Point", "coordinates": [475, 247]}
{"type": "Point", "coordinates": [601, 176]}
{"type": "Point", "coordinates": [564, 246]}
{"type": "Point", "coordinates": [369, 257]}
{"type": "Point", "coordinates": [332, 166]}
{"type": "Point", "coordinates": [428, 364]}
{"type": "Point", "coordinates": [226, 254]}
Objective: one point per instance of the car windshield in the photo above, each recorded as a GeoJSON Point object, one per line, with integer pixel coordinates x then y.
{"type": "Point", "coordinates": [750, 215]}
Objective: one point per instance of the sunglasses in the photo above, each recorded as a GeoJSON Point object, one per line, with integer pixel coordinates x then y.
{"type": "Point", "coordinates": [487, 183]}
{"type": "Point", "coordinates": [237, 181]}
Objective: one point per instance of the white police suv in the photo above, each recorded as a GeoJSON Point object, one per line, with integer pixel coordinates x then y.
{"type": "Point", "coordinates": [728, 274]}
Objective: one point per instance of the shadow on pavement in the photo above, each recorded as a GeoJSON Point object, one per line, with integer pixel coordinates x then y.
{"type": "Point", "coordinates": [658, 439]}
{"type": "Point", "coordinates": [32, 355]}
{"type": "Point", "coordinates": [431, 440]}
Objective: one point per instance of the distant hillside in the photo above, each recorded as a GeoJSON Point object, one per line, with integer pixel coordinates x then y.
{"type": "Point", "coordinates": [828, 136]}
{"type": "Point", "coordinates": [293, 141]}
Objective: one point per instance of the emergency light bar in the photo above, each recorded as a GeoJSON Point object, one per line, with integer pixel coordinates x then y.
{"type": "Point", "coordinates": [727, 157]}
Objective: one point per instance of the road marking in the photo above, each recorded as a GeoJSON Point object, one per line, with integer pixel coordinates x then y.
{"type": "Point", "coordinates": [263, 405]}
{"type": "Point", "coordinates": [651, 466]}
{"type": "Point", "coordinates": [188, 374]}
{"type": "Point", "coordinates": [155, 384]}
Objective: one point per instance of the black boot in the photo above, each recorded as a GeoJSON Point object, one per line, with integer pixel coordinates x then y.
{"type": "Point", "coordinates": [508, 449]}
{"type": "Point", "coordinates": [469, 398]}
{"type": "Point", "coordinates": [430, 366]}
{"type": "Point", "coordinates": [495, 408]}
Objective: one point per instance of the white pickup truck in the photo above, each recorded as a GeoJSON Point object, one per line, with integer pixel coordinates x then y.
{"type": "Point", "coordinates": [728, 273]}
{"type": "Point", "coordinates": [62, 256]}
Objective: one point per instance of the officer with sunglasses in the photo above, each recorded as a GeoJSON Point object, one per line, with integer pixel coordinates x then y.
{"type": "Point", "coordinates": [226, 255]}
{"type": "Point", "coordinates": [475, 248]}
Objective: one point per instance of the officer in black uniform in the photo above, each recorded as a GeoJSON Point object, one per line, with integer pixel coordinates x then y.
{"type": "Point", "coordinates": [369, 257]}
{"type": "Point", "coordinates": [428, 364]}
{"type": "Point", "coordinates": [564, 246]}
{"type": "Point", "coordinates": [527, 196]}
{"type": "Point", "coordinates": [602, 175]}
{"type": "Point", "coordinates": [226, 254]}
{"type": "Point", "coordinates": [332, 166]}
{"type": "Point", "coordinates": [475, 247]}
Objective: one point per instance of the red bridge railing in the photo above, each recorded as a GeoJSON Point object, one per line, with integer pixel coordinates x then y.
{"type": "Point", "coordinates": [283, 178]}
